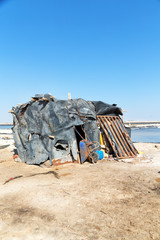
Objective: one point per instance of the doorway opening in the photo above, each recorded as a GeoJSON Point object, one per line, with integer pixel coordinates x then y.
{"type": "Point", "coordinates": [80, 134]}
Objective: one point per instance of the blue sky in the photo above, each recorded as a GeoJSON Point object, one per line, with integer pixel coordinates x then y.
{"type": "Point", "coordinates": [105, 50]}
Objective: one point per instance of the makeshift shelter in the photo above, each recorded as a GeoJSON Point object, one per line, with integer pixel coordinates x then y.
{"type": "Point", "coordinates": [46, 128]}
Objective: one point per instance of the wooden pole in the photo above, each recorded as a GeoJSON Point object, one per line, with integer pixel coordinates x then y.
{"type": "Point", "coordinates": [69, 96]}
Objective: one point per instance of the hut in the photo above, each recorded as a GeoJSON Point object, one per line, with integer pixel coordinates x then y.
{"type": "Point", "coordinates": [46, 128]}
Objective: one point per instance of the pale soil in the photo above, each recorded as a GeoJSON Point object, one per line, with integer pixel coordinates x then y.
{"type": "Point", "coordinates": [108, 200]}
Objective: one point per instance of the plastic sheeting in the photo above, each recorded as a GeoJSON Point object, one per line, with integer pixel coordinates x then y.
{"type": "Point", "coordinates": [107, 109]}
{"type": "Point", "coordinates": [44, 127]}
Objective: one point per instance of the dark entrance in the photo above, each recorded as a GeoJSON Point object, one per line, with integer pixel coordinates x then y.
{"type": "Point", "coordinates": [80, 135]}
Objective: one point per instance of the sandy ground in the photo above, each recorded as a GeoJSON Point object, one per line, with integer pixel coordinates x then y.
{"type": "Point", "coordinates": [117, 200]}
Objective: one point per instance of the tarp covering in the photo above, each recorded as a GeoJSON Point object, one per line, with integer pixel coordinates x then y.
{"type": "Point", "coordinates": [107, 109]}
{"type": "Point", "coordinates": [44, 127]}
